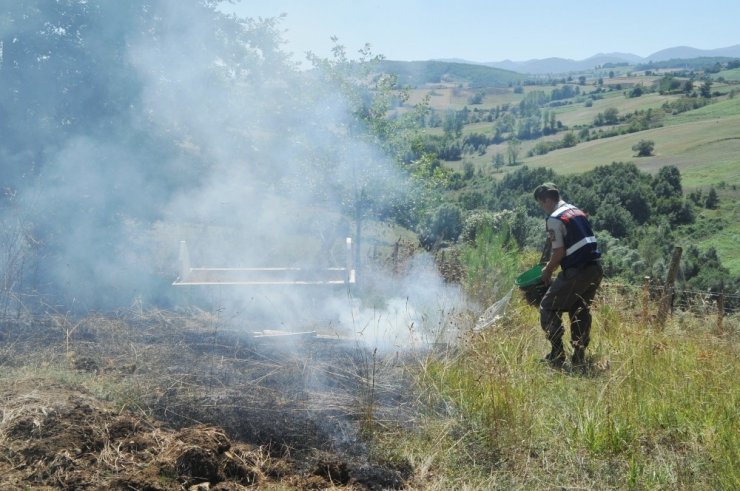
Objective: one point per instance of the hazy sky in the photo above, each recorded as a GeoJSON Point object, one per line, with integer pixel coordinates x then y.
{"type": "Point", "coordinates": [494, 30]}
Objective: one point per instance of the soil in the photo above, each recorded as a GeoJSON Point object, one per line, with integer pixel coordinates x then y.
{"type": "Point", "coordinates": [261, 418]}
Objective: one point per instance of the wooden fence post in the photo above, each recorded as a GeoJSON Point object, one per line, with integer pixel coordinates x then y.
{"type": "Point", "coordinates": [667, 298]}
{"type": "Point", "coordinates": [720, 310]}
{"type": "Point", "coordinates": [645, 299]}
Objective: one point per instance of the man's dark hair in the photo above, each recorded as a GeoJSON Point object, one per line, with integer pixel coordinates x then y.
{"type": "Point", "coordinates": [547, 190]}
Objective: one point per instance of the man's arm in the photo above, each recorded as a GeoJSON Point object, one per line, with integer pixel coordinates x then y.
{"type": "Point", "coordinates": [558, 253]}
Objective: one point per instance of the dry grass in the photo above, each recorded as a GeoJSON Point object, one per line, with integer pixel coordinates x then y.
{"type": "Point", "coordinates": [303, 407]}
{"type": "Point", "coordinates": [655, 409]}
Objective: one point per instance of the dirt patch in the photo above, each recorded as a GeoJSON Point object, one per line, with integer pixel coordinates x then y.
{"type": "Point", "coordinates": [63, 438]}
{"type": "Point", "coordinates": [198, 409]}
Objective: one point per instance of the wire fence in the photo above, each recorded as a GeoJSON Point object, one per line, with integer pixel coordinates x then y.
{"type": "Point", "coordinates": [651, 297]}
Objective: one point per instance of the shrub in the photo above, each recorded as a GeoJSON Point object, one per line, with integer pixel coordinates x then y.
{"type": "Point", "coordinates": [445, 224]}
{"type": "Point", "coordinates": [644, 148]}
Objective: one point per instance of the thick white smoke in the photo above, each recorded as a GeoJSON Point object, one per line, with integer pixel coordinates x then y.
{"type": "Point", "coordinates": [263, 166]}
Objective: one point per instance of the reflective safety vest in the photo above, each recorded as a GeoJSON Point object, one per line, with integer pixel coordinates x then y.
{"type": "Point", "coordinates": [580, 242]}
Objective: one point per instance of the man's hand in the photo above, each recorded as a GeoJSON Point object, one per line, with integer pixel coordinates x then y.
{"type": "Point", "coordinates": [557, 255]}
{"type": "Point", "coordinates": [546, 276]}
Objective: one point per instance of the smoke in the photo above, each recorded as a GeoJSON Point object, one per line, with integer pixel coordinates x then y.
{"type": "Point", "coordinates": [224, 144]}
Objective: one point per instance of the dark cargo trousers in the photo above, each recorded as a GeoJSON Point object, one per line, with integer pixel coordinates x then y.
{"type": "Point", "coordinates": [572, 291]}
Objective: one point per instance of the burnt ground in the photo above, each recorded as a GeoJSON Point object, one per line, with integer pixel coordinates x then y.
{"type": "Point", "coordinates": [162, 400]}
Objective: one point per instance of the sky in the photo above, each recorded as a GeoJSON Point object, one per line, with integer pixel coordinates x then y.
{"type": "Point", "coordinates": [495, 30]}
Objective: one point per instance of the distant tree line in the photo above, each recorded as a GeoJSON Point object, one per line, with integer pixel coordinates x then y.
{"type": "Point", "coordinates": [636, 216]}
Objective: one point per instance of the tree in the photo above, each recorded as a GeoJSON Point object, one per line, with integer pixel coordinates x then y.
{"type": "Point", "coordinates": [569, 140]}
{"type": "Point", "coordinates": [644, 148]}
{"type": "Point", "coordinates": [445, 224]}
{"type": "Point", "coordinates": [712, 199]}
{"type": "Point", "coordinates": [613, 217]}
{"type": "Point", "coordinates": [102, 98]}
{"type": "Point", "coordinates": [611, 115]}
{"type": "Point", "coordinates": [468, 170]}
{"type": "Point", "coordinates": [512, 150]}
{"type": "Point", "coordinates": [453, 124]}
{"type": "Point", "coordinates": [498, 160]}
{"type": "Point", "coordinates": [667, 184]}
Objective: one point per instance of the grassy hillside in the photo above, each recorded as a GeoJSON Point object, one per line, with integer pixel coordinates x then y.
{"type": "Point", "coordinates": [705, 147]}
{"type": "Point", "coordinates": [733, 74]}
{"type": "Point", "coordinates": [704, 143]}
{"type": "Point", "coordinates": [580, 114]}
{"type": "Point", "coordinates": [452, 96]}
{"type": "Point", "coordinates": [416, 73]}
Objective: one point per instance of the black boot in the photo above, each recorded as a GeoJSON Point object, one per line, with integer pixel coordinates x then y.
{"type": "Point", "coordinates": [556, 356]}
{"type": "Point", "coordinates": [579, 357]}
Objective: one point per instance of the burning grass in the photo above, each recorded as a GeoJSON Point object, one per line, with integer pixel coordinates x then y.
{"type": "Point", "coordinates": [160, 400]}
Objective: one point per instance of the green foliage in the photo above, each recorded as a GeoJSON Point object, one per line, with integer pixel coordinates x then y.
{"type": "Point", "coordinates": [684, 104]}
{"type": "Point", "coordinates": [619, 259]}
{"type": "Point", "coordinates": [512, 151]}
{"type": "Point", "coordinates": [636, 91]}
{"type": "Point", "coordinates": [712, 200]}
{"type": "Point", "coordinates": [443, 225]}
{"type": "Point", "coordinates": [468, 170]}
{"type": "Point", "coordinates": [515, 189]}
{"type": "Point", "coordinates": [477, 98]}
{"type": "Point", "coordinates": [644, 148]}
{"type": "Point", "coordinates": [564, 92]}
{"type": "Point", "coordinates": [415, 73]}
{"type": "Point", "coordinates": [489, 261]}
{"type": "Point", "coordinates": [703, 271]}
{"type": "Point", "coordinates": [543, 147]}
{"type": "Point", "coordinates": [613, 217]}
{"type": "Point", "coordinates": [609, 117]}
{"type": "Point", "coordinates": [481, 220]}
{"type": "Point", "coordinates": [667, 184]}
{"type": "Point", "coordinates": [701, 63]}
{"type": "Point", "coordinates": [569, 140]}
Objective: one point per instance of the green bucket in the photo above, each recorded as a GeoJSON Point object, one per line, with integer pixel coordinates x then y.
{"type": "Point", "coordinates": [531, 284]}
{"type": "Point", "coordinates": [530, 277]}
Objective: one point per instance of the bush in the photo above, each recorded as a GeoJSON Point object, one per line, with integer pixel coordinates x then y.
{"type": "Point", "coordinates": [644, 148]}
{"type": "Point", "coordinates": [445, 224]}
{"type": "Point", "coordinates": [483, 219]}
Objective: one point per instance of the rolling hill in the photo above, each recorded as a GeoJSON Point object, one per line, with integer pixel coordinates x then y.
{"type": "Point", "coordinates": [417, 73]}
{"type": "Point", "coordinates": [556, 65]}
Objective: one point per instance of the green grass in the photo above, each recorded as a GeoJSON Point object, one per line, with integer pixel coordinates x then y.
{"type": "Point", "coordinates": [731, 75]}
{"type": "Point", "coordinates": [658, 409]}
{"type": "Point", "coordinates": [726, 237]}
{"type": "Point", "coordinates": [579, 114]}
{"type": "Point", "coordinates": [448, 96]}
{"type": "Point", "coordinates": [721, 109]}
{"type": "Point", "coordinates": [707, 144]}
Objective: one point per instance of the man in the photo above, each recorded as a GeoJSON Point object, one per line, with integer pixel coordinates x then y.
{"type": "Point", "coordinates": [574, 250]}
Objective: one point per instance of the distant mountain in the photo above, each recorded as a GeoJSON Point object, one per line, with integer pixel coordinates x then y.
{"type": "Point", "coordinates": [685, 52]}
{"type": "Point", "coordinates": [504, 72]}
{"type": "Point", "coordinates": [564, 65]}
